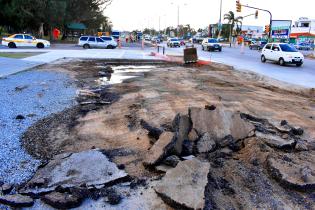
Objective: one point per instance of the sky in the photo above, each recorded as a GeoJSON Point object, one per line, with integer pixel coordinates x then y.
{"type": "Point", "coordinates": [140, 14]}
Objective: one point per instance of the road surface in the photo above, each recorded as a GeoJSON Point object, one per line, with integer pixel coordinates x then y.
{"type": "Point", "coordinates": [250, 60]}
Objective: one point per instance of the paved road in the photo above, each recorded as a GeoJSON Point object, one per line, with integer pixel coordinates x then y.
{"type": "Point", "coordinates": [250, 60]}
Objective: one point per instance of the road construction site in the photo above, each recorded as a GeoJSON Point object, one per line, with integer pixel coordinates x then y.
{"type": "Point", "coordinates": [151, 134]}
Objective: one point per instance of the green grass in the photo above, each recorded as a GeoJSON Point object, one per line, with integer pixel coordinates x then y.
{"type": "Point", "coordinates": [17, 55]}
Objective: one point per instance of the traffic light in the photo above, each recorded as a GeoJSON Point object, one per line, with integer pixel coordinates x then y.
{"type": "Point", "coordinates": [238, 6]}
{"type": "Point", "coordinates": [256, 14]}
{"type": "Point", "coordinates": [267, 28]}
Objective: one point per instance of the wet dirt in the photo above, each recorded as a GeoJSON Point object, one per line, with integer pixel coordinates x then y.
{"type": "Point", "coordinates": [156, 96]}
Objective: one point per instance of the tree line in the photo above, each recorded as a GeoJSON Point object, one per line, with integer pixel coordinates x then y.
{"type": "Point", "coordinates": [30, 15]}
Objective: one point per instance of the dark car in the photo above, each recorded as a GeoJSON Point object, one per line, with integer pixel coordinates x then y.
{"type": "Point", "coordinates": [303, 46]}
{"type": "Point", "coordinates": [257, 45]}
{"type": "Point", "coordinates": [182, 42]}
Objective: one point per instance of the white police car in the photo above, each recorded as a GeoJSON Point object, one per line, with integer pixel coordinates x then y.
{"type": "Point", "coordinates": [24, 40]}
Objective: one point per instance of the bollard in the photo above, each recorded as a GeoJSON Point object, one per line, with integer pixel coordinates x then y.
{"type": "Point", "coordinates": [158, 47]}
{"type": "Point", "coordinates": [242, 48]}
{"type": "Point", "coordinates": [142, 46]}
{"type": "Point", "coordinates": [119, 43]}
{"type": "Point", "coordinates": [163, 50]}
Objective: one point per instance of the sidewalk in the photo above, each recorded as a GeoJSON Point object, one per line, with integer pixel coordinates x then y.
{"type": "Point", "coordinates": [10, 66]}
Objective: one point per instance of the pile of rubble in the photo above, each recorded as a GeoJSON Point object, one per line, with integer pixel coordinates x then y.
{"type": "Point", "coordinates": [200, 142]}
{"type": "Point", "coordinates": [188, 154]}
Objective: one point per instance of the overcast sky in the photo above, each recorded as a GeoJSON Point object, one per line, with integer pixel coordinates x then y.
{"type": "Point", "coordinates": [139, 14]}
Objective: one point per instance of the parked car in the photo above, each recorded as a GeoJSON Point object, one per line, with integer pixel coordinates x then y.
{"type": "Point", "coordinates": [282, 53]}
{"type": "Point", "coordinates": [147, 37]}
{"type": "Point", "coordinates": [211, 44]}
{"type": "Point", "coordinates": [257, 45]}
{"type": "Point", "coordinates": [173, 42]}
{"type": "Point", "coordinates": [24, 40]}
{"type": "Point", "coordinates": [303, 46]}
{"type": "Point", "coordinates": [156, 40]}
{"type": "Point", "coordinates": [106, 42]}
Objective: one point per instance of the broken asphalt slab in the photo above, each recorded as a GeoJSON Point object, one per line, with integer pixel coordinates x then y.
{"type": "Point", "coordinates": [184, 186]}
{"type": "Point", "coordinates": [220, 123]}
{"type": "Point", "coordinates": [295, 171]}
{"type": "Point", "coordinates": [89, 168]}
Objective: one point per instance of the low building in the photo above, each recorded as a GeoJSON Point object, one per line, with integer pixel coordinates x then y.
{"type": "Point", "coordinates": [252, 32]}
{"type": "Point", "coordinates": [303, 31]}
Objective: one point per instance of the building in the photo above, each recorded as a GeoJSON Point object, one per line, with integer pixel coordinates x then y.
{"type": "Point", "coordinates": [252, 32]}
{"type": "Point", "coordinates": [303, 31]}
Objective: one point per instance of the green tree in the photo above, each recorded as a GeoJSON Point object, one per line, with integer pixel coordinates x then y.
{"type": "Point", "coordinates": [233, 21]}
{"type": "Point", "coordinates": [29, 15]}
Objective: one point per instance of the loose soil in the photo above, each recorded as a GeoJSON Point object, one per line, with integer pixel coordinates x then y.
{"type": "Point", "coordinates": [156, 97]}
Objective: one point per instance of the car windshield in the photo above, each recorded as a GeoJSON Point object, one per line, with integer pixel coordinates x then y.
{"type": "Point", "coordinates": [287, 48]}
{"type": "Point", "coordinates": [174, 40]}
{"type": "Point", "coordinates": [212, 41]}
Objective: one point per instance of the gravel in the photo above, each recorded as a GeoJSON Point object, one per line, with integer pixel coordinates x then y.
{"type": "Point", "coordinates": [25, 98]}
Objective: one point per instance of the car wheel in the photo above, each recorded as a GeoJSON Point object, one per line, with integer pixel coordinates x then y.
{"type": "Point", "coordinates": [281, 62]}
{"type": "Point", "coordinates": [263, 59]}
{"type": "Point", "coordinates": [250, 47]}
{"type": "Point", "coordinates": [109, 47]}
{"type": "Point", "coordinates": [299, 64]}
{"type": "Point", "coordinates": [86, 46]}
{"type": "Point", "coordinates": [220, 50]}
{"type": "Point", "coordinates": [40, 45]}
{"type": "Point", "coordinates": [11, 45]}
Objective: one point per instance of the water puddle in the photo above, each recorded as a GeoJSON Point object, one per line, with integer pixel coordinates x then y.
{"type": "Point", "coordinates": [122, 73]}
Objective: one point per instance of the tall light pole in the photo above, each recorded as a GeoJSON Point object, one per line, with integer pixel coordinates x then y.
{"type": "Point", "coordinates": [178, 16]}
{"type": "Point", "coordinates": [220, 20]}
{"type": "Point", "coordinates": [178, 8]}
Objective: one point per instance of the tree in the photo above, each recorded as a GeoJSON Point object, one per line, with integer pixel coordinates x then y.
{"type": "Point", "coordinates": [29, 15]}
{"type": "Point", "coordinates": [232, 20]}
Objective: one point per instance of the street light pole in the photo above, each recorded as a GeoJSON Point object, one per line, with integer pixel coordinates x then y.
{"type": "Point", "coordinates": [178, 16]}
{"type": "Point", "coordinates": [159, 24]}
{"type": "Point", "coordinates": [220, 20]}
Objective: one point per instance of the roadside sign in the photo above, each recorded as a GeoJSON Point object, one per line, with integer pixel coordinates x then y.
{"type": "Point", "coordinates": [281, 29]}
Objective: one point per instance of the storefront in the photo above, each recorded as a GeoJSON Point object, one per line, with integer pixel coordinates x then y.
{"type": "Point", "coordinates": [298, 38]}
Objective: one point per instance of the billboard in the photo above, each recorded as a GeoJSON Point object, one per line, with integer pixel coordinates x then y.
{"type": "Point", "coordinates": [281, 29]}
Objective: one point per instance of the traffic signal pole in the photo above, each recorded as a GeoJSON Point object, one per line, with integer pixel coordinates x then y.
{"type": "Point", "coordinates": [264, 11]}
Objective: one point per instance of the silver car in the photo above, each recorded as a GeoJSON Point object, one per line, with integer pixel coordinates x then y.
{"type": "Point", "coordinates": [105, 42]}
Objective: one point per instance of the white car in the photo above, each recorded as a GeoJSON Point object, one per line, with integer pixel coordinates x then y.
{"type": "Point", "coordinates": [107, 42]}
{"type": "Point", "coordinates": [24, 40]}
{"type": "Point", "coordinates": [173, 42]}
{"type": "Point", "coordinates": [282, 53]}
{"type": "Point", "coordinates": [211, 44]}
